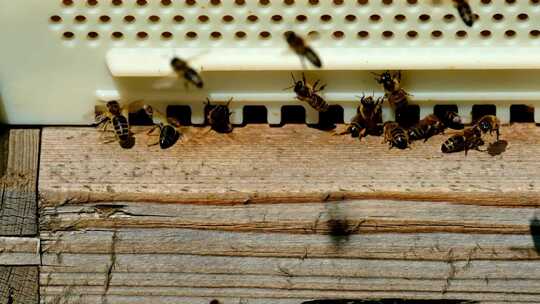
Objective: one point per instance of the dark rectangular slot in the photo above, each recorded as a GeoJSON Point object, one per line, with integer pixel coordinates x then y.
{"type": "Point", "coordinates": [521, 113]}
{"type": "Point", "coordinates": [409, 116]}
{"type": "Point", "coordinates": [293, 115]}
{"type": "Point", "coordinates": [440, 110]}
{"type": "Point", "coordinates": [180, 113]}
{"type": "Point", "coordinates": [479, 111]}
{"type": "Point", "coordinates": [255, 115]}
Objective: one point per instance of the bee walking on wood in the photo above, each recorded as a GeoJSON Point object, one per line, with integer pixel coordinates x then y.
{"type": "Point", "coordinates": [309, 93]}
{"type": "Point", "coordinates": [368, 118]}
{"type": "Point", "coordinates": [117, 117]}
{"type": "Point", "coordinates": [299, 46]}
{"type": "Point", "coordinates": [427, 127]}
{"type": "Point", "coordinates": [395, 135]}
{"type": "Point", "coordinates": [168, 134]}
{"type": "Point", "coordinates": [452, 120]}
{"type": "Point", "coordinates": [465, 11]}
{"type": "Point", "coordinates": [218, 117]}
{"type": "Point", "coordinates": [397, 97]}
{"type": "Point", "coordinates": [468, 139]}
{"type": "Point", "coordinates": [183, 70]}
{"type": "Point", "coordinates": [489, 123]}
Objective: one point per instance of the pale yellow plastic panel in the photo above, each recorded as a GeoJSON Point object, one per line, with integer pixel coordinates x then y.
{"type": "Point", "coordinates": [60, 58]}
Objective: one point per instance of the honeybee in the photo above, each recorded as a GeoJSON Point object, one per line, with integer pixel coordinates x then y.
{"type": "Point", "coordinates": [168, 134]}
{"type": "Point", "coordinates": [489, 123]}
{"type": "Point", "coordinates": [465, 11]}
{"type": "Point", "coordinates": [299, 46]}
{"type": "Point", "coordinates": [468, 139]}
{"type": "Point", "coordinates": [117, 117]}
{"type": "Point", "coordinates": [452, 120]}
{"type": "Point", "coordinates": [218, 116]}
{"type": "Point", "coordinates": [397, 97]}
{"type": "Point", "coordinates": [426, 128]}
{"type": "Point", "coordinates": [308, 93]}
{"type": "Point", "coordinates": [183, 70]}
{"type": "Point", "coordinates": [368, 118]}
{"type": "Point", "coordinates": [395, 135]}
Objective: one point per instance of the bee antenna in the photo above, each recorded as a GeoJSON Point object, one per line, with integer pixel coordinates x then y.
{"type": "Point", "coordinates": [229, 102]}
{"type": "Point", "coordinates": [207, 101]}
{"type": "Point", "coordinates": [293, 79]}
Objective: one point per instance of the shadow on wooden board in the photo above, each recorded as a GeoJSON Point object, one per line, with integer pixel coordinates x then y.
{"type": "Point", "coordinates": [18, 285]}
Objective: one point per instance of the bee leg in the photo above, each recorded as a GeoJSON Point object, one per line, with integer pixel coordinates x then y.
{"type": "Point", "coordinates": [152, 144]}
{"type": "Point", "coordinates": [154, 127]}
{"type": "Point", "coordinates": [109, 140]}
{"type": "Point", "coordinates": [363, 133]}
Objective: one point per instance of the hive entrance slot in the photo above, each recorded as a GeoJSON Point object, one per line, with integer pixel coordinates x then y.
{"type": "Point", "coordinates": [521, 113]}
{"type": "Point", "coordinates": [410, 116]}
{"type": "Point", "coordinates": [481, 110]}
{"type": "Point", "coordinates": [330, 118]}
{"type": "Point", "coordinates": [255, 115]}
{"type": "Point", "coordinates": [180, 113]}
{"type": "Point", "coordinates": [293, 115]}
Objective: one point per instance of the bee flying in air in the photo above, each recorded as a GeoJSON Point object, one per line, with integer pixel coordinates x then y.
{"type": "Point", "coordinates": [426, 128]}
{"type": "Point", "coordinates": [368, 118]}
{"type": "Point", "coordinates": [309, 93]}
{"type": "Point", "coordinates": [452, 120]}
{"type": "Point", "coordinates": [468, 139]}
{"type": "Point", "coordinates": [168, 134]}
{"type": "Point", "coordinates": [489, 123]}
{"type": "Point", "coordinates": [465, 12]}
{"type": "Point", "coordinates": [117, 117]}
{"type": "Point", "coordinates": [395, 135]}
{"type": "Point", "coordinates": [218, 117]}
{"type": "Point", "coordinates": [397, 97]}
{"type": "Point", "coordinates": [183, 70]}
{"type": "Point", "coordinates": [299, 46]}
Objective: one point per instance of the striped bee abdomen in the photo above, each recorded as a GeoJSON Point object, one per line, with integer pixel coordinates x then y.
{"type": "Point", "coordinates": [121, 127]}
{"type": "Point", "coordinates": [318, 103]}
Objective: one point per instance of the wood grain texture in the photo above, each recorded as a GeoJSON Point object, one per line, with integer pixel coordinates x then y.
{"type": "Point", "coordinates": [18, 196]}
{"type": "Point", "coordinates": [290, 164]}
{"type": "Point", "coordinates": [360, 216]}
{"type": "Point", "coordinates": [19, 284]}
{"type": "Point", "coordinates": [19, 251]}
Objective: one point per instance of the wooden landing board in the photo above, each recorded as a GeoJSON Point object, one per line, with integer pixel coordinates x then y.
{"type": "Point", "coordinates": [18, 197]}
{"type": "Point", "coordinates": [286, 215]}
{"type": "Point", "coordinates": [290, 164]}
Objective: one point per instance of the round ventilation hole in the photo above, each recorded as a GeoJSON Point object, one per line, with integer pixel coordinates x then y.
{"type": "Point", "coordinates": [191, 35]}
{"type": "Point", "coordinates": [363, 34]}
{"type": "Point", "coordinates": [166, 35]}
{"type": "Point", "coordinates": [142, 35]}
{"type": "Point", "coordinates": [68, 35]}
{"type": "Point", "coordinates": [55, 19]}
{"type": "Point", "coordinates": [117, 35]}
{"type": "Point", "coordinates": [93, 35]}
{"type": "Point", "coordinates": [215, 35]}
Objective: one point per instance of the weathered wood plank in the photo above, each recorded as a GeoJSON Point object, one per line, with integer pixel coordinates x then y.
{"type": "Point", "coordinates": [290, 164]}
{"type": "Point", "coordinates": [365, 216]}
{"type": "Point", "coordinates": [291, 293]}
{"type": "Point", "coordinates": [416, 246]}
{"type": "Point", "coordinates": [19, 251]}
{"type": "Point", "coordinates": [223, 281]}
{"type": "Point", "coordinates": [18, 197]}
{"type": "Point", "coordinates": [19, 284]}
{"type": "Point", "coordinates": [88, 299]}
{"type": "Point", "coordinates": [358, 268]}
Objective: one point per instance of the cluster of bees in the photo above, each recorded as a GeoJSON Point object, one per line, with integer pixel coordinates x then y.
{"type": "Point", "coordinates": [368, 120]}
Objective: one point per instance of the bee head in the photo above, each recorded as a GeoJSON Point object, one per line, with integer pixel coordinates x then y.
{"type": "Point", "coordinates": [355, 132]}
{"type": "Point", "coordinates": [301, 89]}
{"type": "Point", "coordinates": [177, 63]}
{"type": "Point", "coordinates": [384, 77]}
{"type": "Point", "coordinates": [148, 110]}
{"type": "Point", "coordinates": [401, 142]}
{"type": "Point", "coordinates": [484, 125]}
{"type": "Point", "coordinates": [290, 36]}
{"type": "Point", "coordinates": [114, 107]}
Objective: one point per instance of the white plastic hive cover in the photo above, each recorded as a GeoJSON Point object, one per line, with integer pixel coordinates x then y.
{"type": "Point", "coordinates": [60, 57]}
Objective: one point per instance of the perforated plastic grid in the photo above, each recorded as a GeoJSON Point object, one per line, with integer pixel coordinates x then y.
{"type": "Point", "coordinates": [250, 23]}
